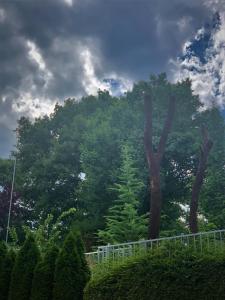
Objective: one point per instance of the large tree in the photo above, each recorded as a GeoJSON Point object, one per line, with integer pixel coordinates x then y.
{"type": "Point", "coordinates": [72, 157]}
{"type": "Point", "coordinates": [164, 104]}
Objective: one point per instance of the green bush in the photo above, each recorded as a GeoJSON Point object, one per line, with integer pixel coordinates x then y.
{"type": "Point", "coordinates": [186, 277]}
{"type": "Point", "coordinates": [22, 274]}
{"type": "Point", "coordinates": [42, 285]}
{"type": "Point", "coordinates": [68, 280]}
{"type": "Point", "coordinates": [5, 274]}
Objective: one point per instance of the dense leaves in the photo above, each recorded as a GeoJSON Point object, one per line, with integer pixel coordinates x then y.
{"type": "Point", "coordinates": [123, 223]}
{"type": "Point", "coordinates": [70, 273]}
{"type": "Point", "coordinates": [43, 280]}
{"type": "Point", "coordinates": [189, 276]}
{"type": "Point", "coordinates": [72, 158]}
{"type": "Point", "coordinates": [22, 274]}
{"type": "Point", "coordinates": [5, 273]}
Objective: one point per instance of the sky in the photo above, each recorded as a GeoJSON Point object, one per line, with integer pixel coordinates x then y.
{"type": "Point", "coordinates": [51, 50]}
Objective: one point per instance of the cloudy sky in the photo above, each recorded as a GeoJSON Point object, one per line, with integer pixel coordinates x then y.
{"type": "Point", "coordinates": [54, 49]}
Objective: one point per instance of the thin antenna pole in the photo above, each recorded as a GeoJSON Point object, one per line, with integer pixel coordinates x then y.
{"type": "Point", "coordinates": [10, 202]}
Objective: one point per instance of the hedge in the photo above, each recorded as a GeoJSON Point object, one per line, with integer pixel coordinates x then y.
{"type": "Point", "coordinates": [69, 278]}
{"type": "Point", "coordinates": [186, 277]}
{"type": "Point", "coordinates": [7, 263]}
{"type": "Point", "coordinates": [23, 270]}
{"type": "Point", "coordinates": [43, 280]}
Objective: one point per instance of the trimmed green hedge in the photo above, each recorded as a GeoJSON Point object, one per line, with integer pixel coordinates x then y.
{"type": "Point", "coordinates": [43, 280]}
{"type": "Point", "coordinates": [147, 278]}
{"type": "Point", "coordinates": [23, 270]}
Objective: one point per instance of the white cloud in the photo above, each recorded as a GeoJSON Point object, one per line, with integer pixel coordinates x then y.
{"type": "Point", "coordinates": [69, 2]}
{"type": "Point", "coordinates": [92, 83]}
{"type": "Point", "coordinates": [28, 104]}
{"type": "Point", "coordinates": [35, 56]}
{"type": "Point", "coordinates": [2, 15]}
{"type": "Point", "coordinates": [208, 76]}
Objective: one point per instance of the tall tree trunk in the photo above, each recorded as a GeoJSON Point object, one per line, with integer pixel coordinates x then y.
{"type": "Point", "coordinates": [205, 150]}
{"type": "Point", "coordinates": [156, 203]}
{"type": "Point", "coordinates": [154, 161]}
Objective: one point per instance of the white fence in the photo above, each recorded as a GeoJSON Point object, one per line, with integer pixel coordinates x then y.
{"type": "Point", "coordinates": [201, 242]}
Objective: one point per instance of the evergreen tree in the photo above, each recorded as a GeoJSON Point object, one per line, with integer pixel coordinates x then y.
{"type": "Point", "coordinates": [42, 285]}
{"type": "Point", "coordinates": [85, 271]}
{"type": "Point", "coordinates": [5, 274]}
{"type": "Point", "coordinates": [123, 222]}
{"type": "Point", "coordinates": [3, 252]}
{"type": "Point", "coordinates": [68, 283]}
{"type": "Point", "coordinates": [22, 274]}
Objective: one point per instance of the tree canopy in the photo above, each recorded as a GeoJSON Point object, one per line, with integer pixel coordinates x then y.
{"type": "Point", "coordinates": [72, 158]}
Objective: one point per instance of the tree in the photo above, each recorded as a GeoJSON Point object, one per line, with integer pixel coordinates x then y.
{"type": "Point", "coordinates": [85, 272]}
{"type": "Point", "coordinates": [43, 280]}
{"type": "Point", "coordinates": [154, 159]}
{"type": "Point", "coordinates": [157, 134]}
{"type": "Point", "coordinates": [22, 274]}
{"type": "Point", "coordinates": [205, 150]}
{"type": "Point", "coordinates": [123, 222]}
{"type": "Point", "coordinates": [72, 157]}
{"type": "Point", "coordinates": [5, 274]}
{"type": "Point", "coordinates": [68, 283]}
{"type": "Point", "coordinates": [52, 231]}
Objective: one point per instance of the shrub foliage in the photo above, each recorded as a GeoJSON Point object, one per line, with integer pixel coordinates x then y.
{"type": "Point", "coordinates": [150, 278]}
{"type": "Point", "coordinates": [7, 262]}
{"type": "Point", "coordinates": [22, 274]}
{"type": "Point", "coordinates": [42, 285]}
{"type": "Point", "coordinates": [70, 272]}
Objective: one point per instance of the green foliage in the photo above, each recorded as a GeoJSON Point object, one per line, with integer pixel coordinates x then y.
{"type": "Point", "coordinates": [5, 274]}
{"type": "Point", "coordinates": [43, 280]}
{"type": "Point", "coordinates": [50, 232]}
{"type": "Point", "coordinates": [69, 281]}
{"type": "Point", "coordinates": [123, 222]}
{"type": "Point", "coordinates": [72, 158]}
{"type": "Point", "coordinates": [3, 258]}
{"type": "Point", "coordinates": [22, 274]}
{"type": "Point", "coordinates": [85, 273]}
{"type": "Point", "coordinates": [3, 251]}
{"type": "Point", "coordinates": [186, 276]}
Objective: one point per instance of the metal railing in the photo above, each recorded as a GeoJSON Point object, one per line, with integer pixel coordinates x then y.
{"type": "Point", "coordinates": [200, 242]}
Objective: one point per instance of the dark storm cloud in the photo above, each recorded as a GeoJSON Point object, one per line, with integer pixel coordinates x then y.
{"type": "Point", "coordinates": [132, 38]}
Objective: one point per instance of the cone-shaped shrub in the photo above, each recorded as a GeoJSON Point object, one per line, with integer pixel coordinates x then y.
{"type": "Point", "coordinates": [22, 274]}
{"type": "Point", "coordinates": [5, 274]}
{"type": "Point", "coordinates": [68, 282]}
{"type": "Point", "coordinates": [42, 286]}
{"type": "Point", "coordinates": [85, 271]}
{"type": "Point", "coordinates": [3, 252]}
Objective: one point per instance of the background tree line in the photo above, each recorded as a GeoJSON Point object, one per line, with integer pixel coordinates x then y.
{"type": "Point", "coordinates": [73, 158]}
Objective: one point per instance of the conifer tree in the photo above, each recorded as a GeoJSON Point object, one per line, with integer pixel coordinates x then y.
{"type": "Point", "coordinates": [3, 252]}
{"type": "Point", "coordinates": [123, 223]}
{"type": "Point", "coordinates": [85, 271]}
{"type": "Point", "coordinates": [68, 283]}
{"type": "Point", "coordinates": [22, 274]}
{"type": "Point", "coordinates": [5, 274]}
{"type": "Point", "coordinates": [42, 285]}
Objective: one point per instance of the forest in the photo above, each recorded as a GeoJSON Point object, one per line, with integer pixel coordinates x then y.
{"type": "Point", "coordinates": [97, 164]}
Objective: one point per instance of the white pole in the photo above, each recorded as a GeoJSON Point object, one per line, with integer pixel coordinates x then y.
{"type": "Point", "coordinates": [10, 202]}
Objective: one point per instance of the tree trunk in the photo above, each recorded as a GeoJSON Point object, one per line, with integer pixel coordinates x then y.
{"type": "Point", "coordinates": [154, 161]}
{"type": "Point", "coordinates": [155, 204]}
{"type": "Point", "coordinates": [205, 149]}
